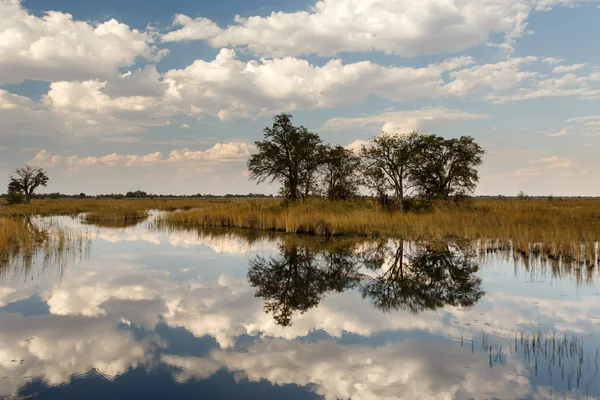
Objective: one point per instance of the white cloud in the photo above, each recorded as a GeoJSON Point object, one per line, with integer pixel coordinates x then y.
{"type": "Point", "coordinates": [55, 47]}
{"type": "Point", "coordinates": [184, 126]}
{"type": "Point", "coordinates": [231, 151]}
{"type": "Point", "coordinates": [557, 162]}
{"type": "Point", "coordinates": [230, 88]}
{"type": "Point", "coordinates": [561, 69]}
{"type": "Point", "coordinates": [497, 77]}
{"type": "Point", "coordinates": [392, 26]}
{"type": "Point", "coordinates": [192, 29]}
{"type": "Point", "coordinates": [357, 145]}
{"type": "Point", "coordinates": [401, 121]}
{"type": "Point", "coordinates": [562, 132]}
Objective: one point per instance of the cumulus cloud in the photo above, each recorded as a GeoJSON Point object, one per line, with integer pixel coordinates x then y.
{"type": "Point", "coordinates": [55, 47]}
{"type": "Point", "coordinates": [402, 121]}
{"type": "Point", "coordinates": [231, 151]}
{"type": "Point", "coordinates": [561, 69]}
{"type": "Point", "coordinates": [229, 88]}
{"type": "Point", "coordinates": [392, 26]}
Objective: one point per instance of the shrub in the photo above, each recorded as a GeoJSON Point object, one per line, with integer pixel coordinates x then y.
{"type": "Point", "coordinates": [417, 205]}
{"type": "Point", "coordinates": [15, 198]}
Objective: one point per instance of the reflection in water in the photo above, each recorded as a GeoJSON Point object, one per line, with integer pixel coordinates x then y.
{"type": "Point", "coordinates": [27, 242]}
{"type": "Point", "coordinates": [151, 310]}
{"type": "Point", "coordinates": [299, 276]}
{"type": "Point", "coordinates": [429, 277]}
{"type": "Point", "coordinates": [406, 276]}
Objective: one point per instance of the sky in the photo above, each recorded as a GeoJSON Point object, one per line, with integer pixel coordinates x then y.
{"type": "Point", "coordinates": [168, 97]}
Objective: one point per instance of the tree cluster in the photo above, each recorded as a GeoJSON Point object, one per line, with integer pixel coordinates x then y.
{"type": "Point", "coordinates": [391, 166]}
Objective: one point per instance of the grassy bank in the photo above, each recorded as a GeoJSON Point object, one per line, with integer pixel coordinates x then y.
{"type": "Point", "coordinates": [117, 215]}
{"type": "Point", "coordinates": [552, 226]}
{"type": "Point", "coordinates": [556, 227]}
{"type": "Point", "coordinates": [75, 206]}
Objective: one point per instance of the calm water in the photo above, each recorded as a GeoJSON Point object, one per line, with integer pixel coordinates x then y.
{"type": "Point", "coordinates": [146, 313]}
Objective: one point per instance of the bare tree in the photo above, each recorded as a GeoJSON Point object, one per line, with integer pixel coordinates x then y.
{"type": "Point", "coordinates": [26, 180]}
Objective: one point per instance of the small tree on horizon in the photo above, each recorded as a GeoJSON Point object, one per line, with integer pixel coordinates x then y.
{"type": "Point", "coordinates": [26, 180]}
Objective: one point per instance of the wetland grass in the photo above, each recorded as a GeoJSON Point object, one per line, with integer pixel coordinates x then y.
{"type": "Point", "coordinates": [555, 228]}
{"type": "Point", "coordinates": [22, 241]}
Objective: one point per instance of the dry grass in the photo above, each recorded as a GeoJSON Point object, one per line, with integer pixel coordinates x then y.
{"type": "Point", "coordinates": [116, 215]}
{"type": "Point", "coordinates": [555, 227]}
{"type": "Point", "coordinates": [21, 240]}
{"type": "Point", "coordinates": [76, 206]}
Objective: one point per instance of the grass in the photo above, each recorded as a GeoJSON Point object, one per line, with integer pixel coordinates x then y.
{"type": "Point", "coordinates": [22, 240]}
{"type": "Point", "coordinates": [553, 227]}
{"type": "Point", "coordinates": [119, 215]}
{"type": "Point", "coordinates": [48, 207]}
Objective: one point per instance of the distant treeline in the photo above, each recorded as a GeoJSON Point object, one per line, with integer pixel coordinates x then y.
{"type": "Point", "coordinates": [141, 194]}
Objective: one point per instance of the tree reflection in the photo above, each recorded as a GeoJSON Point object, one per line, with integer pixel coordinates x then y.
{"type": "Point", "coordinates": [299, 277]}
{"type": "Point", "coordinates": [425, 278]}
{"type": "Point", "coordinates": [393, 275]}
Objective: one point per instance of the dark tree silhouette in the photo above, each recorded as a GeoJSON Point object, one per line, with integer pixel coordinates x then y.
{"type": "Point", "coordinates": [26, 180]}
{"type": "Point", "coordinates": [288, 154]}
{"type": "Point", "coordinates": [445, 168]}
{"type": "Point", "coordinates": [427, 279]}
{"type": "Point", "coordinates": [389, 157]}
{"type": "Point", "coordinates": [340, 173]}
{"type": "Point", "coordinates": [298, 278]}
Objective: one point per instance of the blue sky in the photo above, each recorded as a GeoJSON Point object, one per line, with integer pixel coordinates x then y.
{"type": "Point", "coordinates": [168, 97]}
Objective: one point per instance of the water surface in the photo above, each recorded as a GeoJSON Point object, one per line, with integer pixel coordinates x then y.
{"type": "Point", "coordinates": [162, 313]}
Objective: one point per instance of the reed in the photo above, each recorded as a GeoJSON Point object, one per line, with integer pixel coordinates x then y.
{"type": "Point", "coordinates": [117, 215]}
{"type": "Point", "coordinates": [558, 228]}
{"type": "Point", "coordinates": [65, 206]}
{"type": "Point", "coordinates": [22, 240]}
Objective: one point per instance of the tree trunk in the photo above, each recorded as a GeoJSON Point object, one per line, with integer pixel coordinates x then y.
{"type": "Point", "coordinates": [27, 199]}
{"type": "Point", "coordinates": [293, 190]}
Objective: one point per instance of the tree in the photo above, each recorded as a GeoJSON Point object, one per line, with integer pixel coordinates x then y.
{"type": "Point", "coordinates": [442, 169]}
{"type": "Point", "coordinates": [26, 180]}
{"type": "Point", "coordinates": [340, 173]}
{"type": "Point", "coordinates": [376, 180]}
{"type": "Point", "coordinates": [392, 155]}
{"type": "Point", "coordinates": [288, 154]}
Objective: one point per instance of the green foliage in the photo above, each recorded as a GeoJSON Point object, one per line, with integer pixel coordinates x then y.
{"type": "Point", "coordinates": [288, 154]}
{"type": "Point", "coordinates": [15, 198]}
{"type": "Point", "coordinates": [340, 173]}
{"type": "Point", "coordinates": [417, 205]}
{"type": "Point", "coordinates": [392, 156]}
{"type": "Point", "coordinates": [444, 168]}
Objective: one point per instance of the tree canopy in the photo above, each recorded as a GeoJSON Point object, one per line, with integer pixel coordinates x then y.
{"type": "Point", "coordinates": [392, 166]}
{"type": "Point", "coordinates": [26, 180]}
{"type": "Point", "coordinates": [288, 154]}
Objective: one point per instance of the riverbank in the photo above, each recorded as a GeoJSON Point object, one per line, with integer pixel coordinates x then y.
{"type": "Point", "coordinates": [553, 226]}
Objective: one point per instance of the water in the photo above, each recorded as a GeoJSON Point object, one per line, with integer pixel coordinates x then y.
{"type": "Point", "coordinates": [146, 312]}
